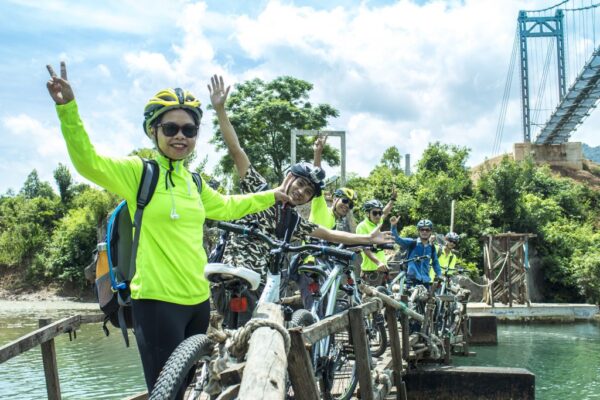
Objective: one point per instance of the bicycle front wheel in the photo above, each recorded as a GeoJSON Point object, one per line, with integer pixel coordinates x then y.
{"type": "Point", "coordinates": [178, 366]}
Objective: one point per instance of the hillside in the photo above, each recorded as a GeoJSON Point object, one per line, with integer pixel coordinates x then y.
{"type": "Point", "coordinates": [591, 153]}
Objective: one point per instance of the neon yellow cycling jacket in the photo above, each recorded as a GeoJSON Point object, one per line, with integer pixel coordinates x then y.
{"type": "Point", "coordinates": [367, 227]}
{"type": "Point", "coordinates": [170, 258]}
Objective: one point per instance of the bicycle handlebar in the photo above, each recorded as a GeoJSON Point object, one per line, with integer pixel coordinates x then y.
{"type": "Point", "coordinates": [283, 246]}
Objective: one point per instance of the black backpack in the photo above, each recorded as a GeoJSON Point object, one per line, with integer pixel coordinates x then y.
{"type": "Point", "coordinates": [122, 241]}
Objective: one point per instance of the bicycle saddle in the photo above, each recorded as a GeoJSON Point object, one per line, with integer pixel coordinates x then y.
{"type": "Point", "coordinates": [312, 269]}
{"type": "Point", "coordinates": [216, 272]}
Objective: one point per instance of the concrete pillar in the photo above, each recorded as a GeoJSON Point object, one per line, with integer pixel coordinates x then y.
{"type": "Point", "coordinates": [470, 383]}
{"type": "Point", "coordinates": [484, 328]}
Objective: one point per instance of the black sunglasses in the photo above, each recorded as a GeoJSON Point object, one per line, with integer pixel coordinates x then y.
{"type": "Point", "coordinates": [171, 129]}
{"type": "Point", "coordinates": [376, 213]}
{"type": "Point", "coordinates": [349, 202]}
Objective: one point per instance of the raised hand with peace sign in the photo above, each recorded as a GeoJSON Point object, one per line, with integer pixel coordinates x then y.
{"type": "Point", "coordinates": [58, 87]}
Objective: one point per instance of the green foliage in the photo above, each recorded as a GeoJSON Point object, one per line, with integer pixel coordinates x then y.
{"type": "Point", "coordinates": [34, 187]}
{"type": "Point", "coordinates": [70, 248]}
{"type": "Point", "coordinates": [64, 181]}
{"type": "Point", "coordinates": [392, 160]}
{"type": "Point", "coordinates": [264, 114]}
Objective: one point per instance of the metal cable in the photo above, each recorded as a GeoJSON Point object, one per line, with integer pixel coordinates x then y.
{"type": "Point", "coordinates": [506, 96]}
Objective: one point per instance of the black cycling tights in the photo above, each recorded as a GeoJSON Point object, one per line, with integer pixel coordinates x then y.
{"type": "Point", "coordinates": [160, 327]}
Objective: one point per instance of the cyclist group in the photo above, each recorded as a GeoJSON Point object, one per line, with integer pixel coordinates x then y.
{"type": "Point", "coordinates": [169, 285]}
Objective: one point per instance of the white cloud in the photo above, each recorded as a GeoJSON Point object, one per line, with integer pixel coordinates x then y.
{"type": "Point", "coordinates": [402, 74]}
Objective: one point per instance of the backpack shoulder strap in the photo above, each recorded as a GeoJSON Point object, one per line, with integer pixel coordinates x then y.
{"type": "Point", "coordinates": [150, 172]}
{"type": "Point", "coordinates": [197, 180]}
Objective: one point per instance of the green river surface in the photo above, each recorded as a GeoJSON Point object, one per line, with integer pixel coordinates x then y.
{"type": "Point", "coordinates": [565, 358]}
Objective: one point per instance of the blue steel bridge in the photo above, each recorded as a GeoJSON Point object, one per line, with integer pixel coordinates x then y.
{"type": "Point", "coordinates": [556, 51]}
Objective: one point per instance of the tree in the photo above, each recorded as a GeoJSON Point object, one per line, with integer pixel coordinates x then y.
{"type": "Point", "coordinates": [264, 114]}
{"type": "Point", "coordinates": [64, 181]}
{"type": "Point", "coordinates": [392, 159]}
{"type": "Point", "coordinates": [34, 187]}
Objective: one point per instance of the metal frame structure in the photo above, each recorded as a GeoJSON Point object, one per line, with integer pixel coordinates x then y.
{"type": "Point", "coordinates": [303, 132]}
{"type": "Point", "coordinates": [575, 106]}
{"type": "Point", "coordinates": [530, 27]}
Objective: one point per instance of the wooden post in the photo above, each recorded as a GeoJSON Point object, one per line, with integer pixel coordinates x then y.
{"type": "Point", "coordinates": [300, 368]}
{"type": "Point", "coordinates": [392, 322]}
{"type": "Point", "coordinates": [490, 270]}
{"type": "Point", "coordinates": [404, 325]}
{"type": "Point", "coordinates": [465, 326]}
{"type": "Point", "coordinates": [509, 266]}
{"type": "Point", "coordinates": [447, 348]}
{"type": "Point", "coordinates": [361, 352]}
{"type": "Point", "coordinates": [50, 367]}
{"type": "Point", "coordinates": [266, 359]}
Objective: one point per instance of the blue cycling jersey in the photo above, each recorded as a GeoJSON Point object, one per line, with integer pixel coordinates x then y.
{"type": "Point", "coordinates": [418, 270]}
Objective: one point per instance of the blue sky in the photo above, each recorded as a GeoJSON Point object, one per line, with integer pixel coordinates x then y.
{"type": "Point", "coordinates": [401, 73]}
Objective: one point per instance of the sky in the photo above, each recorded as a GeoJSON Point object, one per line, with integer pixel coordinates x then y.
{"type": "Point", "coordinates": [401, 73]}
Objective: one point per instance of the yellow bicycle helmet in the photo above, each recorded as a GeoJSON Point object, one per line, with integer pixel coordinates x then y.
{"type": "Point", "coordinates": [169, 99]}
{"type": "Point", "coordinates": [345, 192]}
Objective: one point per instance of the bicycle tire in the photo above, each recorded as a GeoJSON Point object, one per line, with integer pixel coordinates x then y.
{"type": "Point", "coordinates": [378, 340]}
{"type": "Point", "coordinates": [338, 379]}
{"type": "Point", "coordinates": [177, 367]}
{"type": "Point", "coordinates": [302, 318]}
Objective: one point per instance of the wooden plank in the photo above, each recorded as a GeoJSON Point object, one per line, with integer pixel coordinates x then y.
{"type": "Point", "coordinates": [91, 318]}
{"type": "Point", "coordinates": [39, 336]}
{"type": "Point", "coordinates": [50, 367]}
{"type": "Point", "coordinates": [361, 352]}
{"type": "Point", "coordinates": [300, 368]}
{"type": "Point", "coordinates": [266, 358]}
{"type": "Point", "coordinates": [396, 348]}
{"type": "Point", "coordinates": [231, 393]}
{"type": "Point", "coordinates": [232, 375]}
{"type": "Point", "coordinates": [404, 325]}
{"type": "Point", "coordinates": [325, 327]}
{"type": "Point", "coordinates": [139, 396]}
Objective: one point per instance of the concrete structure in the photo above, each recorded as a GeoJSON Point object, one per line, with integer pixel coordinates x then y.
{"type": "Point", "coordinates": [568, 154]}
{"type": "Point", "coordinates": [470, 383]}
{"type": "Point", "coordinates": [537, 311]}
{"type": "Point", "coordinates": [484, 328]}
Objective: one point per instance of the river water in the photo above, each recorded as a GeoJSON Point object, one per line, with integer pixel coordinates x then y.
{"type": "Point", "coordinates": [564, 358]}
{"type": "Point", "coordinates": [92, 366]}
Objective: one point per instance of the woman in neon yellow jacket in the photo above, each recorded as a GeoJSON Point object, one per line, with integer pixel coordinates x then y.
{"type": "Point", "coordinates": [169, 292]}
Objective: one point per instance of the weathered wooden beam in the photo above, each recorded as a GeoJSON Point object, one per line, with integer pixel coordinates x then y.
{"type": "Point", "coordinates": [231, 393]}
{"type": "Point", "coordinates": [91, 318]}
{"type": "Point", "coordinates": [232, 375]}
{"type": "Point", "coordinates": [139, 396]}
{"type": "Point", "coordinates": [368, 290]}
{"type": "Point", "coordinates": [50, 367]}
{"type": "Point", "coordinates": [405, 336]}
{"type": "Point", "coordinates": [266, 358]}
{"type": "Point", "coordinates": [396, 348]}
{"type": "Point", "coordinates": [38, 336]}
{"type": "Point", "coordinates": [325, 327]}
{"type": "Point", "coordinates": [361, 352]}
{"type": "Point", "coordinates": [300, 368]}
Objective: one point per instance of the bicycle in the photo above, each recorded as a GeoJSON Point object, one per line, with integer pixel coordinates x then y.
{"type": "Point", "coordinates": [198, 348]}
{"type": "Point", "coordinates": [332, 356]}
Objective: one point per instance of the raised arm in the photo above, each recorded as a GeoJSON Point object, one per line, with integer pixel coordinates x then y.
{"type": "Point", "coordinates": [376, 237]}
{"type": "Point", "coordinates": [318, 150]}
{"type": "Point", "coordinates": [388, 207]}
{"type": "Point", "coordinates": [218, 96]}
{"type": "Point", "coordinates": [118, 175]}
